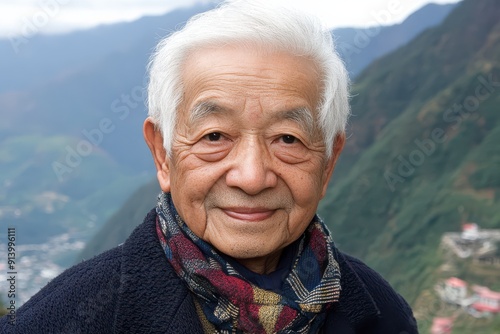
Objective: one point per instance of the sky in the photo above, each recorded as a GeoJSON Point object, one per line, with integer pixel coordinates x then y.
{"type": "Point", "coordinates": [58, 16]}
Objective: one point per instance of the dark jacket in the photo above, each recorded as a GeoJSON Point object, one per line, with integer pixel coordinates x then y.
{"type": "Point", "coordinates": [133, 289]}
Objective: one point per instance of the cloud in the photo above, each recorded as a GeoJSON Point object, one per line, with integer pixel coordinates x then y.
{"type": "Point", "coordinates": [67, 15]}
{"type": "Point", "coordinates": [77, 14]}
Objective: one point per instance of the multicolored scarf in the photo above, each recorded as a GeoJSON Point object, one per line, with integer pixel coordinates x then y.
{"type": "Point", "coordinates": [229, 303]}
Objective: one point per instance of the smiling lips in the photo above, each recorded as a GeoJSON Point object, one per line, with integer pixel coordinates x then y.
{"type": "Point", "coordinates": [249, 214]}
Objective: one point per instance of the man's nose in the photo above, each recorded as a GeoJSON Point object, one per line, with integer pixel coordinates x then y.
{"type": "Point", "coordinates": [251, 169]}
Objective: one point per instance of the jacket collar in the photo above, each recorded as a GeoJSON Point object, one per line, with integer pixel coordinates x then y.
{"type": "Point", "coordinates": [356, 304]}
{"type": "Point", "coordinates": [151, 295]}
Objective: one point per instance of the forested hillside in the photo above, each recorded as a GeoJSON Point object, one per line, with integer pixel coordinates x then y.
{"type": "Point", "coordinates": [423, 142]}
{"type": "Point", "coordinates": [423, 154]}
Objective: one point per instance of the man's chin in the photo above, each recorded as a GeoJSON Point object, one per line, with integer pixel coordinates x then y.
{"type": "Point", "coordinates": [245, 250]}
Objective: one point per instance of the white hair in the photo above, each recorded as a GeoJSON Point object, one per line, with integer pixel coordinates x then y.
{"type": "Point", "coordinates": [252, 23]}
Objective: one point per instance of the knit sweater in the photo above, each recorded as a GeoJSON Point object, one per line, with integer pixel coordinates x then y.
{"type": "Point", "coordinates": [133, 289]}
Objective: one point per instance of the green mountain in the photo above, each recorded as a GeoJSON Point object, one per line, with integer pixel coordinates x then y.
{"type": "Point", "coordinates": [121, 224]}
{"type": "Point", "coordinates": [423, 142]}
{"type": "Point", "coordinates": [422, 156]}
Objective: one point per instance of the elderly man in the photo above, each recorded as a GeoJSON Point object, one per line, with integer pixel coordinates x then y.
{"type": "Point", "coordinates": [248, 106]}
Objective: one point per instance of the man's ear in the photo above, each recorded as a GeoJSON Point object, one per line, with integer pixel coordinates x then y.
{"type": "Point", "coordinates": [338, 145]}
{"type": "Point", "coordinates": [154, 139]}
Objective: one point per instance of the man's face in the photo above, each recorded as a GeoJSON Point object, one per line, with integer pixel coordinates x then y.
{"type": "Point", "coordinates": [248, 165]}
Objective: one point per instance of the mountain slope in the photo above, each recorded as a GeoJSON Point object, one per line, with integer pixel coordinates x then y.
{"type": "Point", "coordinates": [360, 47]}
{"type": "Point", "coordinates": [423, 150]}
{"type": "Point", "coordinates": [118, 227]}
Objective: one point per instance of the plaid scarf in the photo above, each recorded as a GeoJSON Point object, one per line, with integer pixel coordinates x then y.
{"type": "Point", "coordinates": [229, 303]}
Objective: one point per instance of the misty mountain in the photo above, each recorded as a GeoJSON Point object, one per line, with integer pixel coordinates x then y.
{"type": "Point", "coordinates": [29, 62]}
{"type": "Point", "coordinates": [71, 147]}
{"type": "Point", "coordinates": [360, 47]}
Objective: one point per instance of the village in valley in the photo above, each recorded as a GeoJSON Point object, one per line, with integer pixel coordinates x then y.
{"type": "Point", "coordinates": [480, 249]}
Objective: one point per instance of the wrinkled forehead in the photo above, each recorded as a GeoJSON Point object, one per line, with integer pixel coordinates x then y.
{"type": "Point", "coordinates": [245, 69]}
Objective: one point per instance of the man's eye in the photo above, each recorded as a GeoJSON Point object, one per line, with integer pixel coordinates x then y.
{"type": "Point", "coordinates": [289, 139]}
{"type": "Point", "coordinates": [214, 136]}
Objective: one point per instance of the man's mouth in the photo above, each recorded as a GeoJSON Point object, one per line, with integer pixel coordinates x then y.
{"type": "Point", "coordinates": [249, 214]}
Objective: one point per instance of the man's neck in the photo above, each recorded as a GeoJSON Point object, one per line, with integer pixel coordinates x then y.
{"type": "Point", "coordinates": [262, 265]}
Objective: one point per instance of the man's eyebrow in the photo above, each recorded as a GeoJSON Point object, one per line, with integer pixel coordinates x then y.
{"type": "Point", "coordinates": [204, 109]}
{"type": "Point", "coordinates": [303, 116]}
